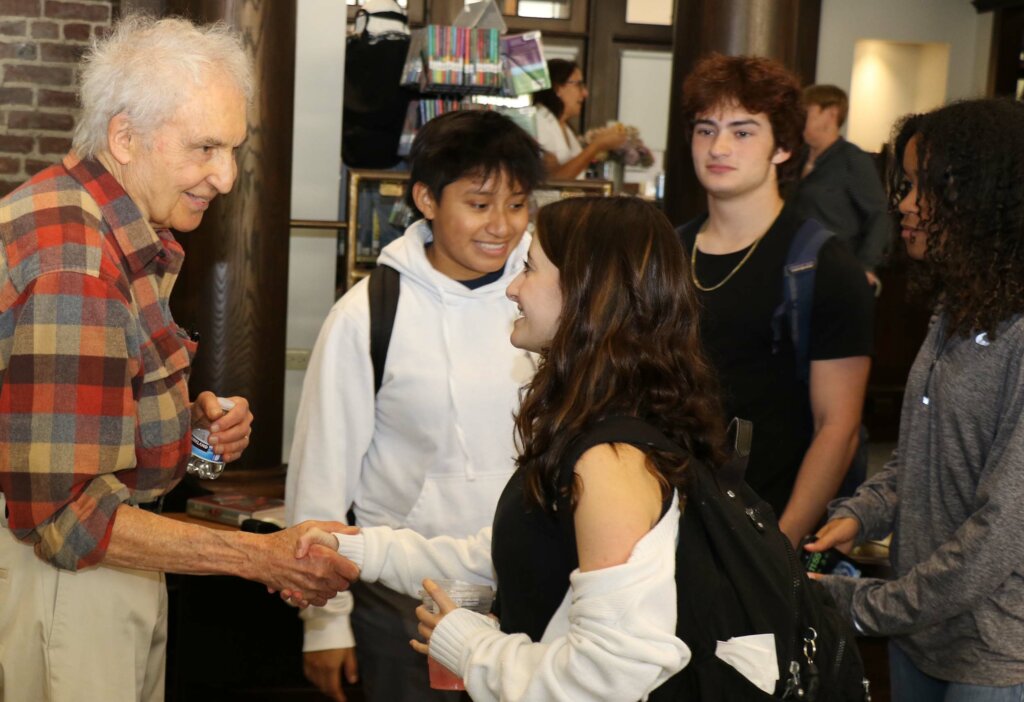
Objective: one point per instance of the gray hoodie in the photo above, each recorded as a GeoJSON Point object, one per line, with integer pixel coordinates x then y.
{"type": "Point", "coordinates": [953, 497]}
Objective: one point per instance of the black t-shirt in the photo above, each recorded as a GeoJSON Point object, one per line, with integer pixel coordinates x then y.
{"type": "Point", "coordinates": [736, 328]}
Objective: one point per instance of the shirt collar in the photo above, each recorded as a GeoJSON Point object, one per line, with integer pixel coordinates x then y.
{"type": "Point", "coordinates": [832, 148]}
{"type": "Point", "coordinates": [137, 239]}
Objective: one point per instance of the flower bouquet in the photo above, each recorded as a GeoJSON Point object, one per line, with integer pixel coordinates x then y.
{"type": "Point", "coordinates": [633, 153]}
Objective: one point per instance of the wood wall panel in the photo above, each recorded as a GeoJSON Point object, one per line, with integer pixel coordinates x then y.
{"type": "Point", "coordinates": [233, 288]}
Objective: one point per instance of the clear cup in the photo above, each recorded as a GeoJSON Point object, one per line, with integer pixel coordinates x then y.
{"type": "Point", "coordinates": [477, 598]}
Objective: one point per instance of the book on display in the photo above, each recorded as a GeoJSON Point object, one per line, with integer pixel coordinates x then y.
{"type": "Point", "coordinates": [234, 509]}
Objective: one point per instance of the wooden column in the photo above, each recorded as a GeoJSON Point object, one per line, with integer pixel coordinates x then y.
{"type": "Point", "coordinates": [1005, 67]}
{"type": "Point", "coordinates": [786, 30]}
{"type": "Point", "coordinates": [234, 285]}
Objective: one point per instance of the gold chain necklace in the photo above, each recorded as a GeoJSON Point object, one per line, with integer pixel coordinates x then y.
{"type": "Point", "coordinates": [723, 281]}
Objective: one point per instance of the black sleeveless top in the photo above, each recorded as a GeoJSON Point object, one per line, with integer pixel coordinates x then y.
{"type": "Point", "coordinates": [534, 550]}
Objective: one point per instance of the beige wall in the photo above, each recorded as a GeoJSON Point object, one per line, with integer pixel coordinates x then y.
{"type": "Point", "coordinates": [954, 23]}
{"type": "Point", "coordinates": [891, 79]}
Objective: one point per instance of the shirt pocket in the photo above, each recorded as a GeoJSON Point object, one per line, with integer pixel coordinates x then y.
{"type": "Point", "coordinates": [163, 407]}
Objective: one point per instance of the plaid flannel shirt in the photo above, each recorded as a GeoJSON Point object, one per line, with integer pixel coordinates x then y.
{"type": "Point", "coordinates": [94, 407]}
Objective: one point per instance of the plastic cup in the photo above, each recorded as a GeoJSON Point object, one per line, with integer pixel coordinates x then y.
{"type": "Point", "coordinates": [474, 597]}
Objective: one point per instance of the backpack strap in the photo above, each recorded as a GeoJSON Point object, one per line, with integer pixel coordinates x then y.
{"type": "Point", "coordinates": [618, 429]}
{"type": "Point", "coordinates": [794, 313]}
{"type": "Point", "coordinates": [733, 472]}
{"type": "Point", "coordinates": [383, 289]}
{"type": "Point", "coordinates": [613, 429]}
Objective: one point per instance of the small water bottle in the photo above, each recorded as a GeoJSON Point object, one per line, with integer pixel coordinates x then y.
{"type": "Point", "coordinates": [205, 462]}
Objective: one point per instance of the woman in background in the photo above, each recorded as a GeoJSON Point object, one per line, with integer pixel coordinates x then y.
{"type": "Point", "coordinates": [564, 157]}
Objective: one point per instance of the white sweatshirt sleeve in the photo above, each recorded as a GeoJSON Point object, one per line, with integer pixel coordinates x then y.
{"type": "Point", "coordinates": [333, 430]}
{"type": "Point", "coordinates": [400, 558]}
{"type": "Point", "coordinates": [620, 644]}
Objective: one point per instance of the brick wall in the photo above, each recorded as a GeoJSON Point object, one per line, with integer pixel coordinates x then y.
{"type": "Point", "coordinates": [40, 44]}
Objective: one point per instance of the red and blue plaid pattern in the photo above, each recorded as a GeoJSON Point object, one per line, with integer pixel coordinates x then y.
{"type": "Point", "coordinates": [94, 407]}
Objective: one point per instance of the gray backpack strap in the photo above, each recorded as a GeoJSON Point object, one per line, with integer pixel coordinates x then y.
{"type": "Point", "coordinates": [794, 313]}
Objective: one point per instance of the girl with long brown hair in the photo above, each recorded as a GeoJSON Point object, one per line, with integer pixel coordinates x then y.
{"type": "Point", "coordinates": [583, 544]}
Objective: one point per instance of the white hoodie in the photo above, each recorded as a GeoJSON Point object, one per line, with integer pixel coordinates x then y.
{"type": "Point", "coordinates": [434, 448]}
{"type": "Point", "coordinates": [613, 637]}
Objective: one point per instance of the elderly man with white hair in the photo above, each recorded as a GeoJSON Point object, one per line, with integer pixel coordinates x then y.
{"type": "Point", "coordinates": [94, 408]}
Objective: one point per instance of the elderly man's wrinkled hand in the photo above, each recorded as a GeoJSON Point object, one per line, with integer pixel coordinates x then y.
{"type": "Point", "coordinates": [313, 579]}
{"type": "Point", "coordinates": [230, 430]}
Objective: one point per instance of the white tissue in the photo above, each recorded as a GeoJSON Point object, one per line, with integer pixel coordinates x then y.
{"type": "Point", "coordinates": [754, 657]}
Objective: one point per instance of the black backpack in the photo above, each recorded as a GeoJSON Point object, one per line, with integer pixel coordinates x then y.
{"type": "Point", "coordinates": [736, 575]}
{"type": "Point", "coordinates": [383, 290]}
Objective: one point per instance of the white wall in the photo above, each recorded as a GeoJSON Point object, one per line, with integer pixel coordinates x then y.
{"type": "Point", "coordinates": [316, 169]}
{"type": "Point", "coordinates": [952, 22]}
{"type": "Point", "coordinates": [645, 81]}
{"type": "Point", "coordinates": [891, 79]}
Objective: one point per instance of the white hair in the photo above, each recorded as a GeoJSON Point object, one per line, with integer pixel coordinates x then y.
{"type": "Point", "coordinates": [145, 68]}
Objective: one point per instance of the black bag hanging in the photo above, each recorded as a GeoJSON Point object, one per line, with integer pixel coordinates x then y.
{"type": "Point", "coordinates": [375, 102]}
{"type": "Point", "coordinates": [737, 575]}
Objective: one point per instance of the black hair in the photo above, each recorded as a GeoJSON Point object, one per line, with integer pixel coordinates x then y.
{"type": "Point", "coordinates": [971, 179]}
{"type": "Point", "coordinates": [561, 71]}
{"type": "Point", "coordinates": [478, 143]}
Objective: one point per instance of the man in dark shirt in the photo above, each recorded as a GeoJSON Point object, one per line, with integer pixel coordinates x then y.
{"type": "Point", "coordinates": [745, 115]}
{"type": "Point", "coordinates": [839, 185]}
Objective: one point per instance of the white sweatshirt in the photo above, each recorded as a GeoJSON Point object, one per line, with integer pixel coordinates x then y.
{"type": "Point", "coordinates": [612, 638]}
{"type": "Point", "coordinates": [434, 448]}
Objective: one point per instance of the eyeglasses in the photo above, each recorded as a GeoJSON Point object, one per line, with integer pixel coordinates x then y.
{"type": "Point", "coordinates": [581, 83]}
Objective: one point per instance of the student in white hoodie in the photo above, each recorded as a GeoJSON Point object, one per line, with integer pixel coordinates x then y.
{"type": "Point", "coordinates": [433, 448]}
{"type": "Point", "coordinates": [584, 538]}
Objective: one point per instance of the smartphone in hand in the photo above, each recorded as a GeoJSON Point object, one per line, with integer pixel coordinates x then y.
{"type": "Point", "coordinates": [830, 562]}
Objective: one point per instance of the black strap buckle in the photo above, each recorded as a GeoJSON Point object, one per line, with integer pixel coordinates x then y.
{"type": "Point", "coordinates": [156, 506]}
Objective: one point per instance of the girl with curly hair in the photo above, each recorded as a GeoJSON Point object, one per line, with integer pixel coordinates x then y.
{"type": "Point", "coordinates": [583, 543]}
{"type": "Point", "coordinates": [952, 491]}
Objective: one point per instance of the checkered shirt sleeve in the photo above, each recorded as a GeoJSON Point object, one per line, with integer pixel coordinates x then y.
{"type": "Point", "coordinates": [94, 408]}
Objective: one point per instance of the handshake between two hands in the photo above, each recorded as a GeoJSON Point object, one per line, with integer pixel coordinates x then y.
{"type": "Point", "coordinates": [317, 540]}
{"type": "Point", "coordinates": [303, 564]}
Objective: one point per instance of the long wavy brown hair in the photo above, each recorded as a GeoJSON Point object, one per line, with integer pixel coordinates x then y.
{"type": "Point", "coordinates": [627, 342]}
{"type": "Point", "coordinates": [971, 174]}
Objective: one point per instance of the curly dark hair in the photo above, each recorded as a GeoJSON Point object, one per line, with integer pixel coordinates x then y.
{"type": "Point", "coordinates": [560, 71]}
{"type": "Point", "coordinates": [759, 85]}
{"type": "Point", "coordinates": [971, 177]}
{"type": "Point", "coordinates": [627, 342]}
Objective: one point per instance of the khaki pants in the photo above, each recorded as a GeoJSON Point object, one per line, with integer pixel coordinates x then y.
{"type": "Point", "coordinates": [96, 635]}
